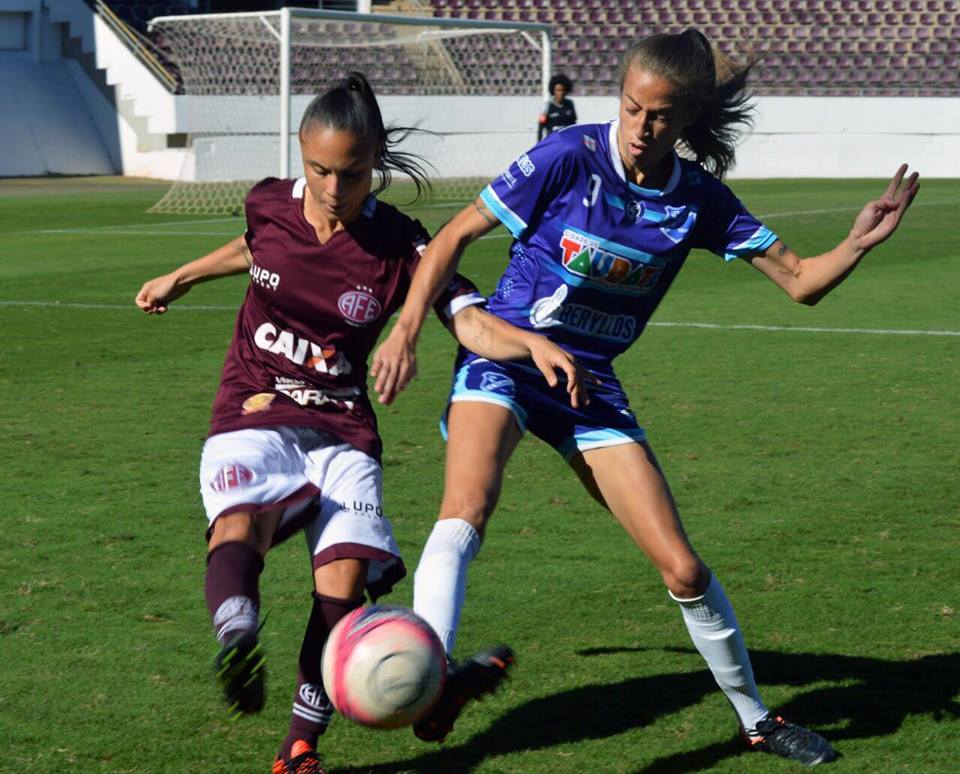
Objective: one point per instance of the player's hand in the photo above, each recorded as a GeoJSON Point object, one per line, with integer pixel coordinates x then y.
{"type": "Point", "coordinates": [548, 357]}
{"type": "Point", "coordinates": [394, 365]}
{"type": "Point", "coordinates": [880, 218]}
{"type": "Point", "coordinates": [156, 294]}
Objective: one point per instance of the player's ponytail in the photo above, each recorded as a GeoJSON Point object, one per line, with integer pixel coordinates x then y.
{"type": "Point", "coordinates": [712, 84]}
{"type": "Point", "coordinates": [351, 106]}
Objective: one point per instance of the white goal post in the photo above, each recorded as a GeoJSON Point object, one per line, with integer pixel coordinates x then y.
{"type": "Point", "coordinates": [474, 86]}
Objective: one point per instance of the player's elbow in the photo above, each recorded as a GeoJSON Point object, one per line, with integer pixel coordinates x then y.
{"type": "Point", "coordinates": [803, 296]}
{"type": "Point", "coordinates": [794, 284]}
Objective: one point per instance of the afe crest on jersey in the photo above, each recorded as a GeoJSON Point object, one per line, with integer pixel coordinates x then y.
{"type": "Point", "coordinates": [359, 306]}
{"type": "Point", "coordinates": [231, 477]}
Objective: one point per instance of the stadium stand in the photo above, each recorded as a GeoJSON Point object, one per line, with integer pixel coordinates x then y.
{"type": "Point", "coordinates": [829, 48]}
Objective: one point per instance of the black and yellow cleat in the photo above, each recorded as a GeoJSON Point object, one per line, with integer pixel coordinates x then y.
{"type": "Point", "coordinates": [240, 671]}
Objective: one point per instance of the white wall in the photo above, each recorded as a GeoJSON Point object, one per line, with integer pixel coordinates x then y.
{"type": "Point", "coordinates": [792, 136]}
{"type": "Point", "coordinates": [56, 114]}
{"type": "Point", "coordinates": [45, 126]}
{"type": "Point", "coordinates": [838, 136]}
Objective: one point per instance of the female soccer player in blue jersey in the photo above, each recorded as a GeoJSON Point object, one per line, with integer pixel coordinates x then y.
{"type": "Point", "coordinates": [293, 439]}
{"type": "Point", "coordinates": [603, 218]}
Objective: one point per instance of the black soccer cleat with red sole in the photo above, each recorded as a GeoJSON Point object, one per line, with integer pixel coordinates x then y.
{"type": "Point", "coordinates": [479, 675]}
{"type": "Point", "coordinates": [240, 671]}
{"type": "Point", "coordinates": [788, 740]}
{"type": "Point", "coordinates": [303, 760]}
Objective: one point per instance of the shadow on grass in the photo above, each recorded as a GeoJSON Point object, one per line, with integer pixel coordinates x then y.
{"type": "Point", "coordinates": [882, 694]}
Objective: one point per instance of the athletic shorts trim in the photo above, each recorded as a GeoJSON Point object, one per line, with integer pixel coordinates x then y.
{"type": "Point", "coordinates": [382, 575]}
{"type": "Point", "coordinates": [476, 396]}
{"type": "Point", "coordinates": [304, 492]}
{"type": "Point", "coordinates": [545, 411]}
{"type": "Point", "coordinates": [602, 439]}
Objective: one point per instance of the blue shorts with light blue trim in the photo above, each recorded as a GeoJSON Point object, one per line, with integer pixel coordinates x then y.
{"type": "Point", "coordinates": [546, 412]}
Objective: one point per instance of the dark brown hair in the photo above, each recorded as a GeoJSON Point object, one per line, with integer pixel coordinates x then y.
{"type": "Point", "coordinates": [713, 85]}
{"type": "Point", "coordinates": [351, 106]}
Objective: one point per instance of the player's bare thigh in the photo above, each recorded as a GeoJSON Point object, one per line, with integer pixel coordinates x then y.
{"type": "Point", "coordinates": [627, 479]}
{"type": "Point", "coordinates": [480, 439]}
{"type": "Point", "coordinates": [254, 529]}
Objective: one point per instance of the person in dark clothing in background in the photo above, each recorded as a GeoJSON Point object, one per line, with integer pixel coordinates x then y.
{"type": "Point", "coordinates": [559, 111]}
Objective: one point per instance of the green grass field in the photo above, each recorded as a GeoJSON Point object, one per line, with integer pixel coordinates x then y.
{"type": "Point", "coordinates": [813, 454]}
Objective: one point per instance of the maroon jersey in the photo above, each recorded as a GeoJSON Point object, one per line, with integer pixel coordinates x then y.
{"type": "Point", "coordinates": [313, 313]}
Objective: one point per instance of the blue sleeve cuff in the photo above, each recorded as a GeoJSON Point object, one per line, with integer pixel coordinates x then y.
{"type": "Point", "coordinates": [514, 223]}
{"type": "Point", "coordinates": [756, 244]}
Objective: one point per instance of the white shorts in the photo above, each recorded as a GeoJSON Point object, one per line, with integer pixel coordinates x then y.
{"type": "Point", "coordinates": [328, 488]}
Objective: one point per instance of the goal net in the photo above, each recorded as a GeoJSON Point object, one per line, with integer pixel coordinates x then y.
{"type": "Point", "coordinates": [475, 87]}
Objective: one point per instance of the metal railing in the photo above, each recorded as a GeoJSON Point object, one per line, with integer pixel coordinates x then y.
{"type": "Point", "coordinates": [139, 45]}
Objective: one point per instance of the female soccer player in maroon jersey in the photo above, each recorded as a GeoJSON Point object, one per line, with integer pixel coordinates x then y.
{"type": "Point", "coordinates": [603, 217]}
{"type": "Point", "coordinates": [293, 440]}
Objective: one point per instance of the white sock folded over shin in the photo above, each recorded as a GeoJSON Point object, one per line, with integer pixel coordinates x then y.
{"type": "Point", "coordinates": [716, 634]}
{"type": "Point", "coordinates": [440, 582]}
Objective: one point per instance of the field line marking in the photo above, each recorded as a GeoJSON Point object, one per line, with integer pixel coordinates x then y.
{"type": "Point", "coordinates": [131, 228]}
{"type": "Point", "coordinates": [127, 307]}
{"type": "Point", "coordinates": [708, 326]}
{"type": "Point", "coordinates": [130, 232]}
{"type": "Point", "coordinates": [802, 329]}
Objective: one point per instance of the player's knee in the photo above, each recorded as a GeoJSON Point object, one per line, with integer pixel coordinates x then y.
{"type": "Point", "coordinates": [341, 578]}
{"type": "Point", "coordinates": [686, 577]}
{"type": "Point", "coordinates": [472, 507]}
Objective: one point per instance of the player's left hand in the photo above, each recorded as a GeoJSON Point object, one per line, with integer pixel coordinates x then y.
{"type": "Point", "coordinates": [549, 358]}
{"type": "Point", "coordinates": [394, 365]}
{"type": "Point", "coordinates": [880, 218]}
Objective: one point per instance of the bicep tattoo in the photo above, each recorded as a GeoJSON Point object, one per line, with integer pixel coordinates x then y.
{"type": "Point", "coordinates": [480, 207]}
{"type": "Point", "coordinates": [245, 251]}
{"type": "Point", "coordinates": [483, 335]}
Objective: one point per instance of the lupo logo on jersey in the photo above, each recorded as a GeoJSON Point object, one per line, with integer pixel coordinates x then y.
{"type": "Point", "coordinates": [359, 306]}
{"type": "Point", "coordinates": [585, 258]}
{"type": "Point", "coordinates": [264, 278]}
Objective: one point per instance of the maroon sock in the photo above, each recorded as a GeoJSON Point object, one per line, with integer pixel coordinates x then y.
{"type": "Point", "coordinates": [312, 709]}
{"type": "Point", "coordinates": [232, 588]}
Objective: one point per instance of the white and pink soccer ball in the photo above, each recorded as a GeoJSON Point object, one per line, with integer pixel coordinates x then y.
{"type": "Point", "coordinates": [383, 666]}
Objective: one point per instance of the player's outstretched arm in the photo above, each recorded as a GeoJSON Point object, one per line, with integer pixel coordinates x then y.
{"type": "Point", "coordinates": [394, 363]}
{"type": "Point", "coordinates": [495, 339]}
{"type": "Point", "coordinates": [807, 280]}
{"type": "Point", "coordinates": [156, 294]}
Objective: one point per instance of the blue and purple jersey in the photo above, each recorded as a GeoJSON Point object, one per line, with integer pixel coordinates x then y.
{"type": "Point", "coordinates": [593, 253]}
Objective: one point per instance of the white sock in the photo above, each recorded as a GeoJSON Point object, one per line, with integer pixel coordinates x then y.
{"type": "Point", "coordinates": [440, 583]}
{"type": "Point", "coordinates": [715, 633]}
